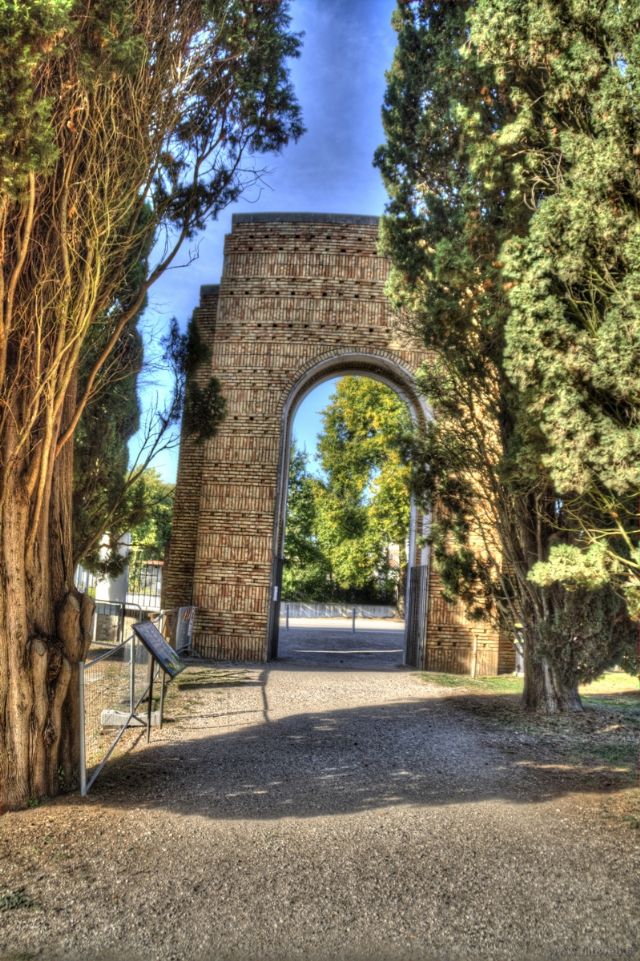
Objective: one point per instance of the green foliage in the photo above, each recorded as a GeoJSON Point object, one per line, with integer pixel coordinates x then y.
{"type": "Point", "coordinates": [364, 507]}
{"type": "Point", "coordinates": [204, 408]}
{"type": "Point", "coordinates": [102, 499]}
{"type": "Point", "coordinates": [306, 574]}
{"type": "Point", "coordinates": [573, 335]}
{"type": "Point", "coordinates": [587, 631]}
{"type": "Point", "coordinates": [341, 530]}
{"type": "Point", "coordinates": [470, 90]}
{"type": "Point", "coordinates": [198, 398]}
{"type": "Point", "coordinates": [150, 536]}
{"type": "Point", "coordinates": [101, 454]}
{"type": "Point", "coordinates": [449, 212]}
{"type": "Point", "coordinates": [30, 33]}
{"type": "Point", "coordinates": [124, 127]}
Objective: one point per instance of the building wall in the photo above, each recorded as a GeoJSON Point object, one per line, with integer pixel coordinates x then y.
{"type": "Point", "coordinates": [296, 290]}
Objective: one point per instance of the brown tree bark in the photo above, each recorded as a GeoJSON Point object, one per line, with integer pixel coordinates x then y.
{"type": "Point", "coordinates": [544, 691]}
{"type": "Point", "coordinates": [44, 633]}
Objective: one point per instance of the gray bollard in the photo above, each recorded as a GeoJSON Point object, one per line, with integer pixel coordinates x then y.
{"type": "Point", "coordinates": [287, 616]}
{"type": "Point", "coordinates": [353, 621]}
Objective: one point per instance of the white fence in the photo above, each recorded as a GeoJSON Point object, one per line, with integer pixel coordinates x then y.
{"type": "Point", "coordinates": [139, 585]}
{"type": "Point", "coordinates": [311, 609]}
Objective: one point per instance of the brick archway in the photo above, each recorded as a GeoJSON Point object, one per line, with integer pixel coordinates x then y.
{"type": "Point", "coordinates": [300, 295]}
{"type": "Point", "coordinates": [392, 371]}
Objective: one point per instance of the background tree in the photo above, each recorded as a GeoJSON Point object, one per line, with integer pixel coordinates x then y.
{"type": "Point", "coordinates": [150, 536]}
{"type": "Point", "coordinates": [456, 199]}
{"type": "Point", "coordinates": [363, 510]}
{"type": "Point", "coordinates": [347, 530]}
{"type": "Point", "coordinates": [306, 574]}
{"type": "Point", "coordinates": [123, 124]}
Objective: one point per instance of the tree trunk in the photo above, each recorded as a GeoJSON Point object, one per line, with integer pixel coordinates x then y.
{"type": "Point", "coordinates": [544, 691]}
{"type": "Point", "coordinates": [44, 633]}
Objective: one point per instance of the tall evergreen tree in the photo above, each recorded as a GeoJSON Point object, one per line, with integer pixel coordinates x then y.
{"type": "Point", "coordinates": [573, 333]}
{"type": "Point", "coordinates": [456, 199]}
{"type": "Point", "coordinates": [121, 122]}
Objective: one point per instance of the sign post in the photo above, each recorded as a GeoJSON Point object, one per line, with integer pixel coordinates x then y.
{"type": "Point", "coordinates": [160, 651]}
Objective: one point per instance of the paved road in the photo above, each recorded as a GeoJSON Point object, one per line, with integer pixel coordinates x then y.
{"type": "Point", "coordinates": [312, 811]}
{"type": "Point", "coordinates": [333, 645]}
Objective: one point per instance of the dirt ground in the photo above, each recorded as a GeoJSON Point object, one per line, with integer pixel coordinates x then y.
{"type": "Point", "coordinates": [334, 805]}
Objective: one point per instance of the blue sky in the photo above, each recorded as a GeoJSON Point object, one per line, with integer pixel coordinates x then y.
{"type": "Point", "coordinates": [339, 81]}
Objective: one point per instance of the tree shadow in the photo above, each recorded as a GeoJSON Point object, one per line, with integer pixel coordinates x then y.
{"type": "Point", "coordinates": [415, 753]}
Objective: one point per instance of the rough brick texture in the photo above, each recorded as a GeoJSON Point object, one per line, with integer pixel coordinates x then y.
{"type": "Point", "coordinates": [301, 298]}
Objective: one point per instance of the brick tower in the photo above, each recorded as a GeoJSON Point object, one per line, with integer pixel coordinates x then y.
{"type": "Point", "coordinates": [301, 299]}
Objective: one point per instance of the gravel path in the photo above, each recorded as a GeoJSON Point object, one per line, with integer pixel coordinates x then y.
{"type": "Point", "coordinates": [330, 806]}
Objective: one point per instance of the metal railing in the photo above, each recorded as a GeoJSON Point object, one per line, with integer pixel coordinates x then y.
{"type": "Point", "coordinates": [145, 582]}
{"type": "Point", "coordinates": [141, 586]}
{"type": "Point", "coordinates": [114, 684]}
{"type": "Point", "coordinates": [110, 621]}
{"type": "Point", "coordinates": [333, 610]}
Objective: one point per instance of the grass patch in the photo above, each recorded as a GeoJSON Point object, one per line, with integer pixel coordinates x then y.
{"type": "Point", "coordinates": [612, 682]}
{"type": "Point", "coordinates": [503, 684]}
{"type": "Point", "coordinates": [12, 900]}
{"type": "Point", "coordinates": [603, 740]}
{"type": "Point", "coordinates": [613, 690]}
{"type": "Point", "coordinates": [209, 677]}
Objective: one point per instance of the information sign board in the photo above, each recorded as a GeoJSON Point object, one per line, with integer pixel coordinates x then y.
{"type": "Point", "coordinates": [158, 648]}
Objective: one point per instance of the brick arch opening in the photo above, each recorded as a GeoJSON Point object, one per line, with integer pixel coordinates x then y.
{"type": "Point", "coordinates": [389, 370]}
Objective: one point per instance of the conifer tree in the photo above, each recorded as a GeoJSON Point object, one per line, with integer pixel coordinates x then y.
{"type": "Point", "coordinates": [124, 125]}
{"type": "Point", "coordinates": [456, 200]}
{"type": "Point", "coordinates": [573, 333]}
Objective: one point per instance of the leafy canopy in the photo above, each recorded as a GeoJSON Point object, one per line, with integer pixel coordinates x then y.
{"type": "Point", "coordinates": [466, 172]}
{"type": "Point", "coordinates": [573, 335]}
{"type": "Point", "coordinates": [343, 528]}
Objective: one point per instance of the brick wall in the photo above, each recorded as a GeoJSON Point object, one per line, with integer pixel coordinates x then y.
{"type": "Point", "coordinates": [299, 293]}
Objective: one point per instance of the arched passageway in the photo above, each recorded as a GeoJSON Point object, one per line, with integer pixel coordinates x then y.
{"type": "Point", "coordinates": [390, 372]}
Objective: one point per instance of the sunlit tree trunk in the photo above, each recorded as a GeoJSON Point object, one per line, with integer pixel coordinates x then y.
{"type": "Point", "coordinates": [44, 633]}
{"type": "Point", "coordinates": [119, 121]}
{"type": "Point", "coordinates": [544, 691]}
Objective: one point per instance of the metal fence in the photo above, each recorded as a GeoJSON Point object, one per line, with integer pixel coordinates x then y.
{"type": "Point", "coordinates": [144, 582]}
{"type": "Point", "coordinates": [316, 609]}
{"type": "Point", "coordinates": [115, 686]}
{"type": "Point", "coordinates": [140, 584]}
{"type": "Point", "coordinates": [113, 620]}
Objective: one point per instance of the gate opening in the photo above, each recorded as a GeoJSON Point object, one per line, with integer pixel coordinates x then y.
{"type": "Point", "coordinates": [347, 591]}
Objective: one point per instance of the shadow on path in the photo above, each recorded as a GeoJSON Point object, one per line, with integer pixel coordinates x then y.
{"type": "Point", "coordinates": [415, 752]}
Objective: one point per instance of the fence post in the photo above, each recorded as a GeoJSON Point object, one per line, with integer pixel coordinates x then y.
{"type": "Point", "coordinates": [83, 756]}
{"type": "Point", "coordinates": [132, 677]}
{"type": "Point", "coordinates": [353, 621]}
{"type": "Point", "coordinates": [162, 689]}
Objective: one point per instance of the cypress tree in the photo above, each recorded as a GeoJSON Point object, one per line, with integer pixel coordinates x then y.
{"type": "Point", "coordinates": [573, 333]}
{"type": "Point", "coordinates": [456, 200]}
{"type": "Point", "coordinates": [124, 127]}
